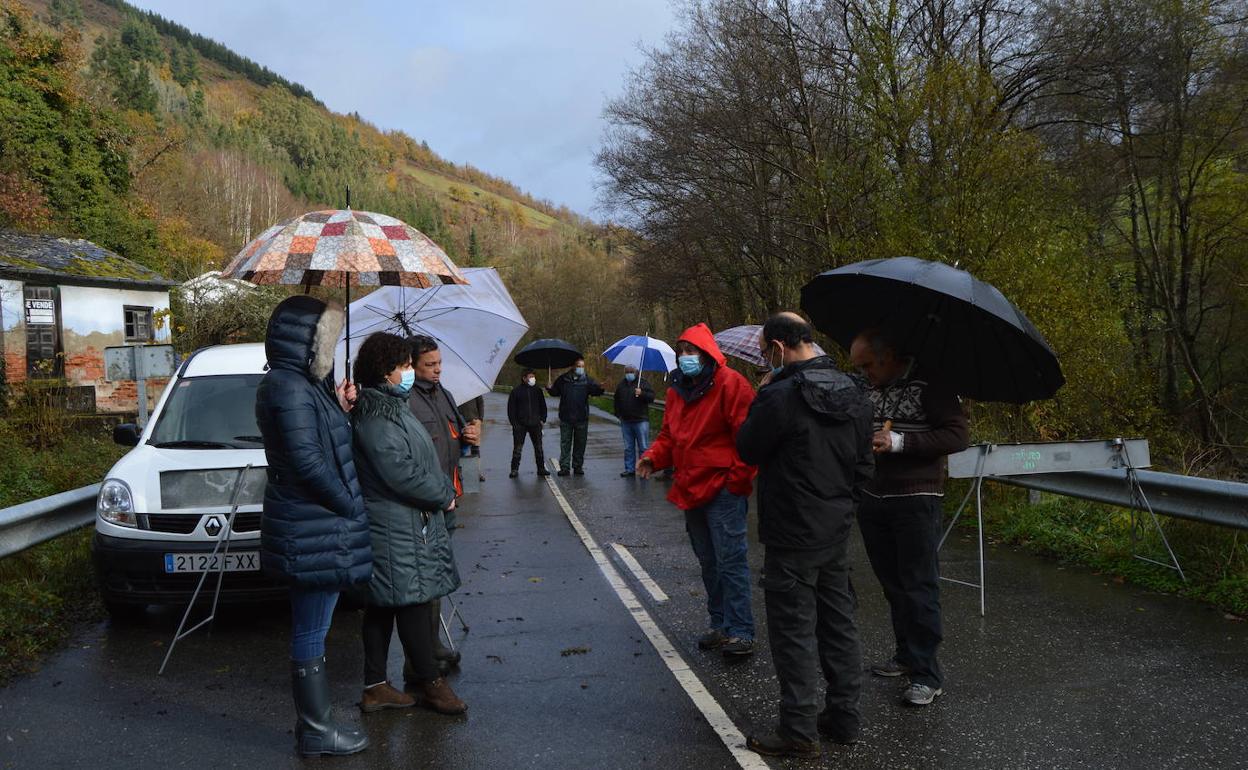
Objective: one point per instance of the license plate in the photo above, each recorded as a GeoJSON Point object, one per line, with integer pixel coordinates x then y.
{"type": "Point", "coordinates": [242, 561]}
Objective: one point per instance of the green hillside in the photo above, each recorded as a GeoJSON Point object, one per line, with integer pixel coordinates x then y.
{"type": "Point", "coordinates": [167, 147]}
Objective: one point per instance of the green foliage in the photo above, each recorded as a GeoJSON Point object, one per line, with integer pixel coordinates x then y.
{"type": "Point", "coordinates": [132, 87]}
{"type": "Point", "coordinates": [44, 590]}
{"type": "Point", "coordinates": [211, 50]}
{"type": "Point", "coordinates": [1214, 559]}
{"type": "Point", "coordinates": [65, 13]}
{"type": "Point", "coordinates": [184, 65]}
{"type": "Point", "coordinates": [141, 41]}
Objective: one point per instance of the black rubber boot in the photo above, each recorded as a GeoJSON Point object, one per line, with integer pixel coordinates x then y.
{"type": "Point", "coordinates": [315, 731]}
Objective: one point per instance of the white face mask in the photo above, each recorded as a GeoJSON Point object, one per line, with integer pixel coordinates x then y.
{"type": "Point", "coordinates": [531, 381]}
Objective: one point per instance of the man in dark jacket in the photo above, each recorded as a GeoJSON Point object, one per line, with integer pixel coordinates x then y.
{"type": "Point", "coordinates": [435, 407]}
{"type": "Point", "coordinates": [809, 432]}
{"type": "Point", "coordinates": [526, 411]}
{"type": "Point", "coordinates": [632, 406]}
{"type": "Point", "coordinates": [916, 424]}
{"type": "Point", "coordinates": [573, 389]}
{"type": "Point", "coordinates": [314, 531]}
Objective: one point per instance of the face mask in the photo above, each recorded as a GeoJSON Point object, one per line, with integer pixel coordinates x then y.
{"type": "Point", "coordinates": [630, 376]}
{"type": "Point", "coordinates": [407, 379]}
{"type": "Point", "coordinates": [690, 366]}
{"type": "Point", "coordinates": [580, 371]}
{"type": "Point", "coordinates": [531, 381]}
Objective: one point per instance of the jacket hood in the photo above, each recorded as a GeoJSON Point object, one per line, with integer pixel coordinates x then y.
{"type": "Point", "coordinates": [700, 336]}
{"type": "Point", "coordinates": [302, 334]}
{"type": "Point", "coordinates": [825, 389]}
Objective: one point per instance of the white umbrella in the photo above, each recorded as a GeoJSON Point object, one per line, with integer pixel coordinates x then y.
{"type": "Point", "coordinates": [476, 326]}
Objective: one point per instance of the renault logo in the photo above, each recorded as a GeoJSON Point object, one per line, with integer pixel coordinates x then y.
{"type": "Point", "coordinates": [213, 527]}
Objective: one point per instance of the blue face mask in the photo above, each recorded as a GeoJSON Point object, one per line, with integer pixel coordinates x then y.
{"type": "Point", "coordinates": [580, 371]}
{"type": "Point", "coordinates": [407, 381]}
{"type": "Point", "coordinates": [630, 376]}
{"type": "Point", "coordinates": [690, 366]}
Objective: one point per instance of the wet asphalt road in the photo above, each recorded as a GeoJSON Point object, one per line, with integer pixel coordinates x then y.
{"type": "Point", "coordinates": [1067, 670]}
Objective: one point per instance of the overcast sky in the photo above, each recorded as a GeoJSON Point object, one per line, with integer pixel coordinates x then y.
{"type": "Point", "coordinates": [514, 87]}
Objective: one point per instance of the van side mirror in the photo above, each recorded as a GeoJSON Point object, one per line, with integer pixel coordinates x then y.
{"type": "Point", "coordinates": [126, 434]}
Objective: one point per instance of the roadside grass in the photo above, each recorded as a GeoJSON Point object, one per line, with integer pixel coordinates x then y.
{"type": "Point", "coordinates": [46, 590]}
{"type": "Point", "coordinates": [1214, 559]}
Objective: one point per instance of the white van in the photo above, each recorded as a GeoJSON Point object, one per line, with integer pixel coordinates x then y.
{"type": "Point", "coordinates": [163, 506]}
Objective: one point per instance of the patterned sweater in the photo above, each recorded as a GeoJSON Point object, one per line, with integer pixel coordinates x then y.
{"type": "Point", "coordinates": [932, 425]}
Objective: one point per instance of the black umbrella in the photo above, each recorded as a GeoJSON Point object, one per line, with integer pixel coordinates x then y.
{"type": "Point", "coordinates": [548, 354]}
{"type": "Point", "coordinates": [961, 331]}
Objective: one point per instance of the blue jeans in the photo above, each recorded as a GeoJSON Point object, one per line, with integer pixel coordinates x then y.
{"type": "Point", "coordinates": [636, 442]}
{"type": "Point", "coordinates": [717, 531]}
{"type": "Point", "coordinates": [310, 616]}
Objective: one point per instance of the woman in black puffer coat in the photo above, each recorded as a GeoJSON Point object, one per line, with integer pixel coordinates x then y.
{"type": "Point", "coordinates": [314, 531]}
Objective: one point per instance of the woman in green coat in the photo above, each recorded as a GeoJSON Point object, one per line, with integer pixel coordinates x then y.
{"type": "Point", "coordinates": [406, 495]}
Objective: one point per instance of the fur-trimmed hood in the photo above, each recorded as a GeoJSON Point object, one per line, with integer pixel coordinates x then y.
{"type": "Point", "coordinates": [302, 334]}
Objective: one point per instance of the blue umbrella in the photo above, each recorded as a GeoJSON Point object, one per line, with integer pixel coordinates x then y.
{"type": "Point", "coordinates": [644, 353]}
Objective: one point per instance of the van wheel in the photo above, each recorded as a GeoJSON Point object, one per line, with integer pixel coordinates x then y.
{"type": "Point", "coordinates": [120, 612]}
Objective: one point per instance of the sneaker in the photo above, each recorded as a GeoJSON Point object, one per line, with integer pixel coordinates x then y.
{"type": "Point", "coordinates": [920, 694]}
{"type": "Point", "coordinates": [838, 728]}
{"type": "Point", "coordinates": [513, 474]}
{"type": "Point", "coordinates": [383, 696]}
{"type": "Point", "coordinates": [626, 474]}
{"type": "Point", "coordinates": [579, 471]}
{"type": "Point", "coordinates": [543, 473]}
{"type": "Point", "coordinates": [773, 745]}
{"type": "Point", "coordinates": [891, 667]}
{"type": "Point", "coordinates": [712, 640]}
{"type": "Point", "coordinates": [564, 472]}
{"type": "Point", "coordinates": [736, 647]}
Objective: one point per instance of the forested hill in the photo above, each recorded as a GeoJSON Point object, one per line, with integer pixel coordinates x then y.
{"type": "Point", "coordinates": [132, 131]}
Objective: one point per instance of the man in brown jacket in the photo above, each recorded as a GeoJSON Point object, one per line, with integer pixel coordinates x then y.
{"type": "Point", "coordinates": [916, 424]}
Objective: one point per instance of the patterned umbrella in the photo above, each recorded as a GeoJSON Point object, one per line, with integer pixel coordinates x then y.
{"type": "Point", "coordinates": [344, 248]}
{"type": "Point", "coordinates": [743, 342]}
{"type": "Point", "coordinates": [341, 247]}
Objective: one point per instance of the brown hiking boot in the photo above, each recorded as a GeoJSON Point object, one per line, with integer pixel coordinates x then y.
{"type": "Point", "coordinates": [438, 695]}
{"type": "Point", "coordinates": [383, 696]}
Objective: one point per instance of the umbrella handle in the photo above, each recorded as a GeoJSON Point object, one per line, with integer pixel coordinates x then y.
{"type": "Point", "coordinates": [888, 426]}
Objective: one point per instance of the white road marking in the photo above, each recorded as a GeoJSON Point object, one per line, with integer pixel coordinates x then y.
{"type": "Point", "coordinates": [640, 573]}
{"type": "Point", "coordinates": [697, 692]}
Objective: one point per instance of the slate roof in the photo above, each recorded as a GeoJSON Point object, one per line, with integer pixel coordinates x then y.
{"type": "Point", "coordinates": [73, 261]}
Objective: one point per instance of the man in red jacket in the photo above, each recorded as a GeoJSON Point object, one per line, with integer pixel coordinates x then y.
{"type": "Point", "coordinates": [706, 405]}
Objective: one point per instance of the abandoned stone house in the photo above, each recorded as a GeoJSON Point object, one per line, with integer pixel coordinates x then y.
{"type": "Point", "coordinates": [62, 301]}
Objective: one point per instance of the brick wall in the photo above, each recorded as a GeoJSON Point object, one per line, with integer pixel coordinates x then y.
{"type": "Point", "coordinates": [87, 368]}
{"type": "Point", "coordinates": [14, 366]}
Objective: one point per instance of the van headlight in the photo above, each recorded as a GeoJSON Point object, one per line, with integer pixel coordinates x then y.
{"type": "Point", "coordinates": [115, 504]}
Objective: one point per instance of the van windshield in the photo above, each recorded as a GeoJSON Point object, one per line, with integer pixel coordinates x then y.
{"type": "Point", "coordinates": [216, 412]}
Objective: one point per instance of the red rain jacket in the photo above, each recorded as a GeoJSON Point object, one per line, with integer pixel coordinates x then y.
{"type": "Point", "coordinates": [699, 439]}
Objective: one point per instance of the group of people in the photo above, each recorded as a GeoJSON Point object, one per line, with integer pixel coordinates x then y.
{"type": "Point", "coordinates": [826, 449]}
{"type": "Point", "coordinates": [363, 483]}
{"type": "Point", "coordinates": [363, 479]}
{"type": "Point", "coordinates": [527, 413]}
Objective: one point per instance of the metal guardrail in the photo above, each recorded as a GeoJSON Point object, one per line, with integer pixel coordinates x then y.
{"type": "Point", "coordinates": [31, 523]}
{"type": "Point", "coordinates": [1211, 501]}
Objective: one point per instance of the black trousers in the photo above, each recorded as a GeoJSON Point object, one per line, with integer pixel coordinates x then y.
{"type": "Point", "coordinates": [534, 434]}
{"type": "Point", "coordinates": [810, 627]}
{"type": "Point", "coordinates": [901, 535]}
{"type": "Point", "coordinates": [415, 622]}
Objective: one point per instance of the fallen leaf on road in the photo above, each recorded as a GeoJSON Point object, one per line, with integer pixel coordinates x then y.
{"type": "Point", "coordinates": [535, 580]}
{"type": "Point", "coordinates": [574, 651]}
